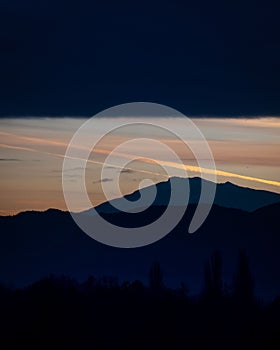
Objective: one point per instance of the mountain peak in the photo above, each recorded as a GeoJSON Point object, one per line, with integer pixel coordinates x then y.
{"type": "Point", "coordinates": [227, 195]}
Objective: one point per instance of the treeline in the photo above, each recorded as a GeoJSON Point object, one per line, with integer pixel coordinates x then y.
{"type": "Point", "coordinates": [101, 313]}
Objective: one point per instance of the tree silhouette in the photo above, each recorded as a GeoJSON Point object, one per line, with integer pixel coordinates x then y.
{"type": "Point", "coordinates": [243, 284]}
{"type": "Point", "coordinates": [213, 282]}
{"type": "Point", "coordinates": [207, 280]}
{"type": "Point", "coordinates": [155, 277]}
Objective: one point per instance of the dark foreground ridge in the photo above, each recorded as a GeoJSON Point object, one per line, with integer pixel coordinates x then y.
{"type": "Point", "coordinates": [101, 313]}
{"type": "Point", "coordinates": [217, 288]}
{"type": "Point", "coordinates": [33, 245]}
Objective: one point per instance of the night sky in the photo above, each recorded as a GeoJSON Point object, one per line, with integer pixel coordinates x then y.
{"type": "Point", "coordinates": [76, 58]}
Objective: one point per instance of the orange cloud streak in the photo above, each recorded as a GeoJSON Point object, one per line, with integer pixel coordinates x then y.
{"type": "Point", "coordinates": [174, 165]}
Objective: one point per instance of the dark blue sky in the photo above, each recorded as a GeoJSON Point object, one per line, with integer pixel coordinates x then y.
{"type": "Point", "coordinates": [79, 57]}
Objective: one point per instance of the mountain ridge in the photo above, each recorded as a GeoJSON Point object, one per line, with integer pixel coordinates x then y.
{"type": "Point", "coordinates": [36, 244]}
{"type": "Point", "coordinates": [227, 195]}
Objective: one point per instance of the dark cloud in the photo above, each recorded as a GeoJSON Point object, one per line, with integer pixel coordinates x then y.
{"type": "Point", "coordinates": [201, 57]}
{"type": "Point", "coordinates": [71, 176]}
{"type": "Point", "coordinates": [70, 170]}
{"type": "Point", "coordinates": [105, 179]}
{"type": "Point", "coordinates": [110, 167]}
{"type": "Point", "coordinates": [127, 171]}
{"type": "Point", "coordinates": [10, 160]}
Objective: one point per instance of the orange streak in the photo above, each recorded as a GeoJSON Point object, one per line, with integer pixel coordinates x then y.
{"type": "Point", "coordinates": [130, 156]}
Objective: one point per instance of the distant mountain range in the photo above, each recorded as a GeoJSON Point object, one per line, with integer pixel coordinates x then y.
{"type": "Point", "coordinates": [35, 244]}
{"type": "Point", "coordinates": [227, 195]}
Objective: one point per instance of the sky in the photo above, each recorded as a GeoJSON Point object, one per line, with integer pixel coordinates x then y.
{"type": "Point", "coordinates": [66, 57]}
{"type": "Point", "coordinates": [246, 152]}
{"type": "Point", "coordinates": [63, 61]}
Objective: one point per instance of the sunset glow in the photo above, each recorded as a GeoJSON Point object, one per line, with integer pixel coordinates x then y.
{"type": "Point", "coordinates": [246, 153]}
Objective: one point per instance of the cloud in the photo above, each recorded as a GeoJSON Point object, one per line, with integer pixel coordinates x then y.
{"type": "Point", "coordinates": [110, 167]}
{"type": "Point", "coordinates": [74, 176]}
{"type": "Point", "coordinates": [67, 170]}
{"type": "Point", "coordinates": [127, 171]}
{"type": "Point", "coordinates": [192, 63]}
{"type": "Point", "coordinates": [10, 160]}
{"type": "Point", "coordinates": [192, 168]}
{"type": "Point", "coordinates": [105, 179]}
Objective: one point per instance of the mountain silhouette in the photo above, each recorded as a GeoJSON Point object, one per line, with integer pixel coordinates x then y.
{"type": "Point", "coordinates": [227, 195]}
{"type": "Point", "coordinates": [35, 244]}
